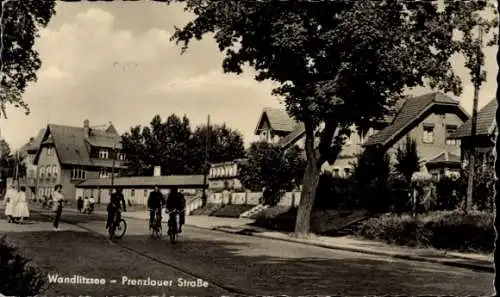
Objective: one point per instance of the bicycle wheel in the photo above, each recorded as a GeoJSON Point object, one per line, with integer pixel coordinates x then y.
{"type": "Point", "coordinates": [173, 232]}
{"type": "Point", "coordinates": [119, 229]}
{"type": "Point", "coordinates": [157, 230]}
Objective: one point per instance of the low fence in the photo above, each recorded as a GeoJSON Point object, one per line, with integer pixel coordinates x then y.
{"type": "Point", "coordinates": [251, 198]}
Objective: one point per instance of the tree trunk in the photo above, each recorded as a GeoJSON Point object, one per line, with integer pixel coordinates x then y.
{"type": "Point", "coordinates": [496, 253]}
{"type": "Point", "coordinates": [310, 183]}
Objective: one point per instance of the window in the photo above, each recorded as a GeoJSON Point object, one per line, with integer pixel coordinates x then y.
{"type": "Point", "coordinates": [91, 192]}
{"type": "Point", "coordinates": [121, 156]}
{"type": "Point", "coordinates": [42, 172]}
{"type": "Point", "coordinates": [49, 171]}
{"type": "Point", "coordinates": [450, 129]}
{"type": "Point", "coordinates": [78, 173]}
{"type": "Point", "coordinates": [103, 154]}
{"type": "Point", "coordinates": [347, 171]}
{"type": "Point", "coordinates": [103, 173]}
{"type": "Point", "coordinates": [145, 193]}
{"type": "Point", "coordinates": [132, 192]}
{"type": "Point", "coordinates": [40, 192]}
{"type": "Point", "coordinates": [336, 172]}
{"type": "Point", "coordinates": [428, 135]}
{"type": "Point", "coordinates": [31, 173]}
{"type": "Point", "coordinates": [54, 170]}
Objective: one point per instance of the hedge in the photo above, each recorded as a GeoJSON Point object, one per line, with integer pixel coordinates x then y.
{"type": "Point", "coordinates": [449, 230]}
{"type": "Point", "coordinates": [18, 277]}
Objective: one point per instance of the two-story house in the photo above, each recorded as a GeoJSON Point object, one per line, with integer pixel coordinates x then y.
{"type": "Point", "coordinates": [486, 132]}
{"type": "Point", "coordinates": [430, 120]}
{"type": "Point", "coordinates": [69, 155]}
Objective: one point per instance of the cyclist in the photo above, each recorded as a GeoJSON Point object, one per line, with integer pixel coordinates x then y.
{"type": "Point", "coordinates": [176, 201]}
{"type": "Point", "coordinates": [156, 201]}
{"type": "Point", "coordinates": [114, 207]}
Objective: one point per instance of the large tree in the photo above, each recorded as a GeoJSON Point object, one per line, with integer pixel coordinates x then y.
{"type": "Point", "coordinates": [337, 63]}
{"type": "Point", "coordinates": [19, 62]}
{"type": "Point", "coordinates": [224, 144]}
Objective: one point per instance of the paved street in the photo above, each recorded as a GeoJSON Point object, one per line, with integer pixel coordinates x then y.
{"type": "Point", "coordinates": [246, 264]}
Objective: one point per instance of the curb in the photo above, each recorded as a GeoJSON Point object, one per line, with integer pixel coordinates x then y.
{"type": "Point", "coordinates": [247, 232]}
{"type": "Point", "coordinates": [449, 262]}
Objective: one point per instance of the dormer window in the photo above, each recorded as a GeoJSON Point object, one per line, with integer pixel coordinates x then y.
{"type": "Point", "coordinates": [103, 154]}
{"type": "Point", "coordinates": [428, 134]}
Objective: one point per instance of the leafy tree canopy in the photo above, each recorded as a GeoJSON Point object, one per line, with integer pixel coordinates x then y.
{"type": "Point", "coordinates": [267, 166]}
{"type": "Point", "coordinates": [173, 145]}
{"type": "Point", "coordinates": [21, 21]}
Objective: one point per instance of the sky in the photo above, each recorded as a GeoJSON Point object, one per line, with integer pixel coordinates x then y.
{"type": "Point", "coordinates": [113, 62]}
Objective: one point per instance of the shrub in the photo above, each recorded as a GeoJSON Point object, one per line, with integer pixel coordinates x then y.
{"type": "Point", "coordinates": [207, 210]}
{"type": "Point", "coordinates": [449, 230]}
{"type": "Point", "coordinates": [332, 192]}
{"type": "Point", "coordinates": [232, 210]}
{"type": "Point", "coordinates": [17, 276]}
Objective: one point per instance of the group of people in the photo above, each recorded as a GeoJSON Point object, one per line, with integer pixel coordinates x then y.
{"type": "Point", "coordinates": [86, 204]}
{"type": "Point", "coordinates": [156, 202]}
{"type": "Point", "coordinates": [17, 210]}
{"type": "Point", "coordinates": [174, 202]}
{"type": "Point", "coordinates": [16, 205]}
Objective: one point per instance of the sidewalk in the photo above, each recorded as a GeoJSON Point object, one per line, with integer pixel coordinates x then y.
{"type": "Point", "coordinates": [474, 261]}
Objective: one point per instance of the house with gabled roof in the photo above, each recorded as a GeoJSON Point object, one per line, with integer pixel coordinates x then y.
{"type": "Point", "coordinates": [70, 155]}
{"type": "Point", "coordinates": [274, 124]}
{"type": "Point", "coordinates": [430, 120]}
{"type": "Point", "coordinates": [486, 132]}
{"type": "Point", "coordinates": [296, 136]}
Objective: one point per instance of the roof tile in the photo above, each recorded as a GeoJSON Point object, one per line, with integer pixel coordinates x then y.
{"type": "Point", "coordinates": [485, 120]}
{"type": "Point", "coordinates": [410, 110]}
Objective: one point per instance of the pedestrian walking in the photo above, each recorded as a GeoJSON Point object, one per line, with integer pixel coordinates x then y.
{"type": "Point", "coordinates": [79, 204]}
{"type": "Point", "coordinates": [57, 205]}
{"type": "Point", "coordinates": [21, 210]}
{"type": "Point", "coordinates": [10, 201]}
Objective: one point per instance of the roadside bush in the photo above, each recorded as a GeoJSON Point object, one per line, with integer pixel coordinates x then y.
{"type": "Point", "coordinates": [17, 276]}
{"type": "Point", "coordinates": [448, 192]}
{"type": "Point", "coordinates": [332, 192]}
{"type": "Point", "coordinates": [450, 230]}
{"type": "Point", "coordinates": [207, 210]}
{"type": "Point", "coordinates": [232, 210]}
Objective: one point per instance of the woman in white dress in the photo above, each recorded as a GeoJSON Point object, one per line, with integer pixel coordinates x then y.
{"type": "Point", "coordinates": [21, 209]}
{"type": "Point", "coordinates": [10, 201]}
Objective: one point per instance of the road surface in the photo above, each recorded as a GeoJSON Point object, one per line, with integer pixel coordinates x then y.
{"type": "Point", "coordinates": [228, 263]}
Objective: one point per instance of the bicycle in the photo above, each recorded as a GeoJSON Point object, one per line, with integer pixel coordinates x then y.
{"type": "Point", "coordinates": [173, 226]}
{"type": "Point", "coordinates": [118, 224]}
{"type": "Point", "coordinates": [156, 227]}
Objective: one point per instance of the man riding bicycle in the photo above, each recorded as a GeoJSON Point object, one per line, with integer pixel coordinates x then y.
{"type": "Point", "coordinates": [176, 202]}
{"type": "Point", "coordinates": [114, 207]}
{"type": "Point", "coordinates": [156, 201]}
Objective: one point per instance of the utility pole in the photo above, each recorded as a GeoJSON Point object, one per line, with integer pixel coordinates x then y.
{"type": "Point", "coordinates": [17, 172]}
{"type": "Point", "coordinates": [205, 166]}
{"type": "Point", "coordinates": [472, 155]}
{"type": "Point", "coordinates": [113, 155]}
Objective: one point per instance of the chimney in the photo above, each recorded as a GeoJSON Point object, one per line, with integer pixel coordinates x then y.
{"type": "Point", "coordinates": [86, 127]}
{"type": "Point", "coordinates": [32, 139]}
{"type": "Point", "coordinates": [157, 171]}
